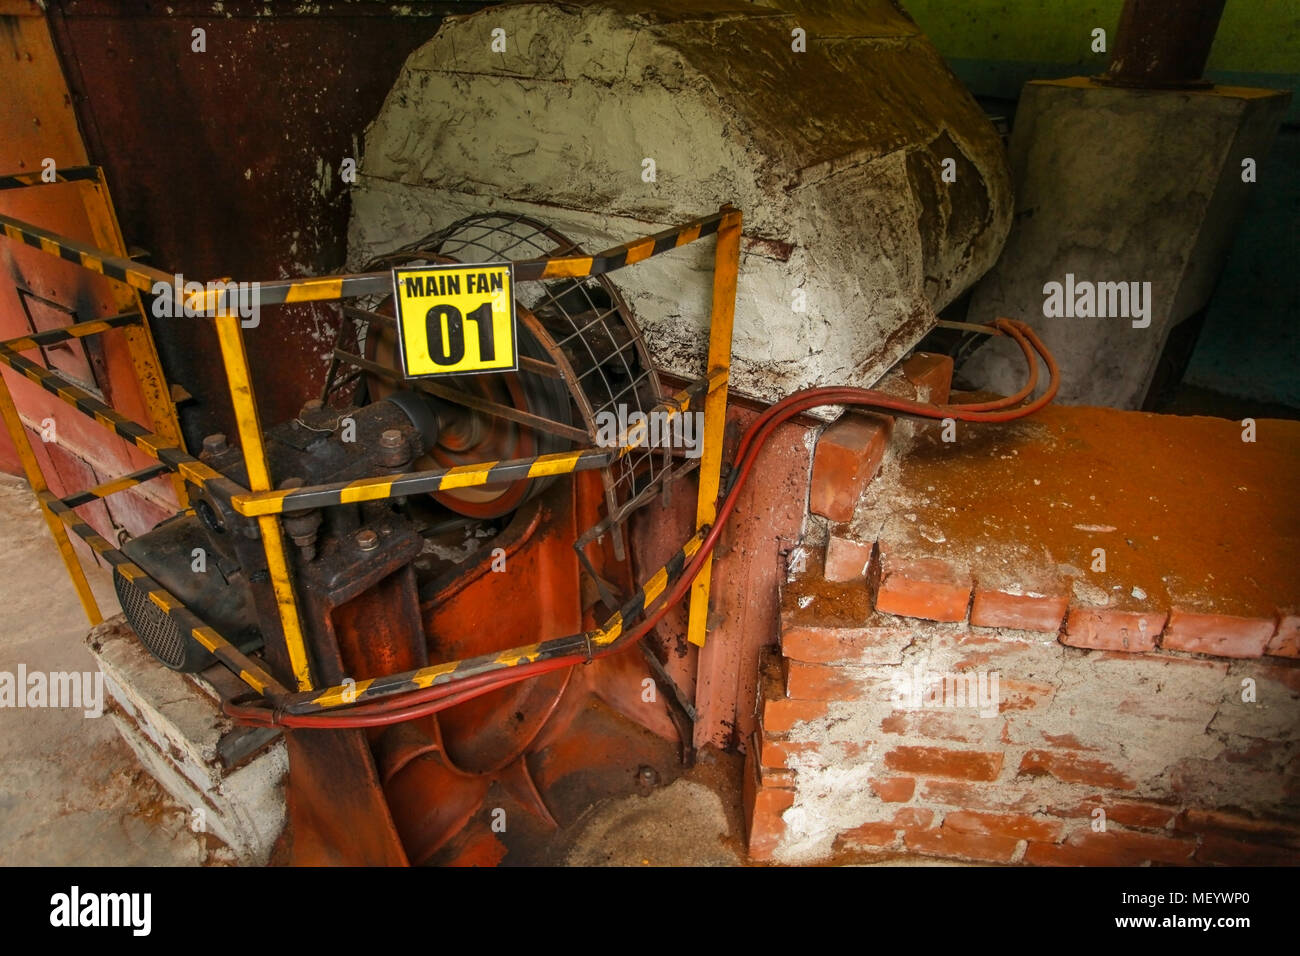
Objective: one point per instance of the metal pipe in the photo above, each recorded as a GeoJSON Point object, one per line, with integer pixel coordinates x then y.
{"type": "Point", "coordinates": [1163, 45]}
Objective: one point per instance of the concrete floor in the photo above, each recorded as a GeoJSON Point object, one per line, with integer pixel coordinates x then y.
{"type": "Point", "coordinates": [71, 792]}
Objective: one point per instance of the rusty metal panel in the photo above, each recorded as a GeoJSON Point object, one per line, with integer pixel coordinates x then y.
{"type": "Point", "coordinates": [36, 116]}
{"type": "Point", "coordinates": [39, 291]}
{"type": "Point", "coordinates": [226, 162]}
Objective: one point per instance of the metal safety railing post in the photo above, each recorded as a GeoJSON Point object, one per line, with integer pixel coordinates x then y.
{"type": "Point", "coordinates": [726, 270]}
{"type": "Point", "coordinates": [235, 359]}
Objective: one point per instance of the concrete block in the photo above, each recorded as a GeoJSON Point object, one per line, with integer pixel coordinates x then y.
{"type": "Point", "coordinates": [173, 723]}
{"type": "Point", "coordinates": [1123, 186]}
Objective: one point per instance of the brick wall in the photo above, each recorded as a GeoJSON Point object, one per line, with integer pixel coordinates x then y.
{"type": "Point", "coordinates": [987, 691]}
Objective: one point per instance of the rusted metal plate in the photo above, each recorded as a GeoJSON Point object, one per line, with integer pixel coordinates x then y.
{"type": "Point", "coordinates": [42, 291]}
{"type": "Point", "coordinates": [36, 117]}
{"type": "Point", "coordinates": [36, 114]}
{"type": "Point", "coordinates": [227, 162]}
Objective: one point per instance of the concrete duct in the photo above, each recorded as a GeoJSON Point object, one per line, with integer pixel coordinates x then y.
{"type": "Point", "coordinates": [875, 190]}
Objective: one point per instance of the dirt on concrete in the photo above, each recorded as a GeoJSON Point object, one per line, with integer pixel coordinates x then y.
{"type": "Point", "coordinates": [71, 791]}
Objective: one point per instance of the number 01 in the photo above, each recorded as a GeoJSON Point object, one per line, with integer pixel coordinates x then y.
{"type": "Point", "coordinates": [445, 328]}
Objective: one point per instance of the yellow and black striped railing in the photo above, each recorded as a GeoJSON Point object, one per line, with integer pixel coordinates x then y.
{"type": "Point", "coordinates": [78, 331]}
{"type": "Point", "coordinates": [71, 174]}
{"type": "Point", "coordinates": [379, 487]}
{"type": "Point", "coordinates": [154, 445]}
{"type": "Point", "coordinates": [265, 505]}
{"type": "Point", "coordinates": [326, 288]}
{"type": "Point", "coordinates": [114, 485]}
{"type": "Point", "coordinates": [139, 277]}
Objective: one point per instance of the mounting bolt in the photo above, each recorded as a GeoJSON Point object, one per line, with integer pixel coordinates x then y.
{"type": "Point", "coordinates": [301, 526]}
{"type": "Point", "coordinates": [214, 444]}
{"type": "Point", "coordinates": [394, 449]}
{"type": "Point", "coordinates": [367, 540]}
{"type": "Point", "coordinates": [646, 776]}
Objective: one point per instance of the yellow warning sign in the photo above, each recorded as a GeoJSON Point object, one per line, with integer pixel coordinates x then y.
{"type": "Point", "coordinates": [456, 319]}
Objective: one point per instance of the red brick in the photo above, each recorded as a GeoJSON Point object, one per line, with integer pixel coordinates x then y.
{"type": "Point", "coordinates": [776, 778]}
{"type": "Point", "coordinates": [868, 835]}
{"type": "Point", "coordinates": [941, 762]}
{"type": "Point", "coordinates": [857, 645]}
{"type": "Point", "coordinates": [758, 775]}
{"type": "Point", "coordinates": [1112, 848]}
{"type": "Point", "coordinates": [1110, 630]}
{"type": "Point", "coordinates": [780, 715]}
{"type": "Point", "coordinates": [992, 608]}
{"type": "Point", "coordinates": [894, 789]}
{"type": "Point", "coordinates": [1222, 635]}
{"type": "Point", "coordinates": [1126, 813]}
{"type": "Point", "coordinates": [1023, 694]}
{"type": "Point", "coordinates": [956, 844]}
{"type": "Point", "coordinates": [1286, 639]}
{"type": "Point", "coordinates": [1074, 769]}
{"type": "Point", "coordinates": [1194, 820]}
{"type": "Point", "coordinates": [941, 725]}
{"type": "Point", "coordinates": [1151, 816]}
{"type": "Point", "coordinates": [846, 560]}
{"type": "Point", "coordinates": [970, 796]}
{"type": "Point", "coordinates": [898, 722]}
{"type": "Point", "coordinates": [829, 682]}
{"type": "Point", "coordinates": [776, 753]}
{"type": "Point", "coordinates": [766, 825]}
{"type": "Point", "coordinates": [928, 588]}
{"type": "Point", "coordinates": [847, 457]}
{"type": "Point", "coordinates": [915, 818]}
{"type": "Point", "coordinates": [1016, 826]}
{"type": "Point", "coordinates": [1225, 851]}
{"type": "Point", "coordinates": [931, 373]}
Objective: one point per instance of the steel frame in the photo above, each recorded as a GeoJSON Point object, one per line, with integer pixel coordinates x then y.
{"type": "Point", "coordinates": [258, 500]}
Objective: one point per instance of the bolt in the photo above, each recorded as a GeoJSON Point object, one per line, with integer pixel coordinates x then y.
{"type": "Point", "coordinates": [646, 775]}
{"type": "Point", "coordinates": [301, 525]}
{"type": "Point", "coordinates": [394, 449]}
{"type": "Point", "coordinates": [214, 444]}
{"type": "Point", "coordinates": [367, 540]}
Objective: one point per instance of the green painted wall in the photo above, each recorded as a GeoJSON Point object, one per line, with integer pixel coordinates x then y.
{"type": "Point", "coordinates": [995, 46]}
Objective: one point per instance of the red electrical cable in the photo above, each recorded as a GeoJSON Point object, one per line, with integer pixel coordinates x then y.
{"type": "Point", "coordinates": [421, 703]}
